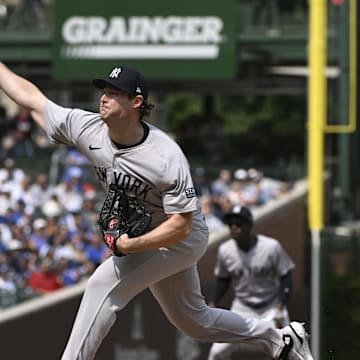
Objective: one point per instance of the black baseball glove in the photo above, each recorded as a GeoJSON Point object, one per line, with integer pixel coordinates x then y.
{"type": "Point", "coordinates": [121, 214]}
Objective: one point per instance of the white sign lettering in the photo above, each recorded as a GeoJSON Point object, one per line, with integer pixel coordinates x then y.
{"type": "Point", "coordinates": [142, 37]}
{"type": "Point", "coordinates": [172, 29]}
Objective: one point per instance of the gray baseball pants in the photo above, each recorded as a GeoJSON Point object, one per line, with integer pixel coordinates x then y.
{"type": "Point", "coordinates": [171, 275]}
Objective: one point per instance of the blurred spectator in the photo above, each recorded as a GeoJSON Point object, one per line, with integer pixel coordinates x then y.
{"type": "Point", "coordinates": [262, 194]}
{"type": "Point", "coordinates": [17, 135]}
{"type": "Point", "coordinates": [225, 206]}
{"type": "Point", "coordinates": [201, 183]}
{"type": "Point", "coordinates": [7, 146]}
{"type": "Point", "coordinates": [70, 250]}
{"type": "Point", "coordinates": [5, 201]}
{"type": "Point", "coordinates": [10, 174]}
{"type": "Point", "coordinates": [249, 192]}
{"type": "Point", "coordinates": [77, 223]}
{"type": "Point", "coordinates": [61, 247]}
{"type": "Point", "coordinates": [69, 194]}
{"type": "Point", "coordinates": [24, 194]}
{"type": "Point", "coordinates": [221, 185]}
{"type": "Point", "coordinates": [271, 189]}
{"type": "Point", "coordinates": [40, 191]}
{"type": "Point", "coordinates": [212, 220]}
{"type": "Point", "coordinates": [74, 157]}
{"type": "Point", "coordinates": [90, 211]}
{"type": "Point", "coordinates": [46, 279]}
{"type": "Point", "coordinates": [6, 284]}
{"type": "Point", "coordinates": [236, 194]}
{"type": "Point", "coordinates": [74, 173]}
{"type": "Point", "coordinates": [39, 239]}
{"type": "Point", "coordinates": [17, 215]}
{"type": "Point", "coordinates": [52, 207]}
{"type": "Point", "coordinates": [74, 271]}
{"type": "Point", "coordinates": [89, 191]}
{"type": "Point", "coordinates": [96, 251]}
{"type": "Point", "coordinates": [14, 240]}
{"type": "Point", "coordinates": [254, 191]}
{"type": "Point", "coordinates": [52, 227]}
{"type": "Point", "coordinates": [24, 126]}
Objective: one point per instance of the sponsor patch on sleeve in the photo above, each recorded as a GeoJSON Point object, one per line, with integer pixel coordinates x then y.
{"type": "Point", "coordinates": [190, 193]}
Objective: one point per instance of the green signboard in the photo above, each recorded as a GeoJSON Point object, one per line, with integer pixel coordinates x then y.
{"type": "Point", "coordinates": [188, 40]}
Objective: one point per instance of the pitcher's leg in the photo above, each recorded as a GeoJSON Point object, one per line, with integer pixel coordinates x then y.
{"type": "Point", "coordinates": [112, 286]}
{"type": "Point", "coordinates": [95, 315]}
{"type": "Point", "coordinates": [181, 299]}
{"type": "Point", "coordinates": [218, 351]}
{"type": "Point", "coordinates": [109, 289]}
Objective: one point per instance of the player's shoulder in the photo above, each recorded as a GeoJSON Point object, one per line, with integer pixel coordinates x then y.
{"type": "Point", "coordinates": [264, 240]}
{"type": "Point", "coordinates": [164, 142]}
{"type": "Point", "coordinates": [228, 247]}
{"type": "Point", "coordinates": [161, 134]}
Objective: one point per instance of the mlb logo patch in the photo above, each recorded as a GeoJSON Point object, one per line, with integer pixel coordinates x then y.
{"type": "Point", "coordinates": [190, 193]}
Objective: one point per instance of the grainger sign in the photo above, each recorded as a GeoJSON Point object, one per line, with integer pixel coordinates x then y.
{"type": "Point", "coordinates": [193, 41]}
{"type": "Point", "coordinates": [141, 37]}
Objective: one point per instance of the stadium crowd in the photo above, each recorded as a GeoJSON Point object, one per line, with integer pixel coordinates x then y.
{"type": "Point", "coordinates": [245, 187]}
{"type": "Point", "coordinates": [49, 236]}
{"type": "Point", "coordinates": [48, 233]}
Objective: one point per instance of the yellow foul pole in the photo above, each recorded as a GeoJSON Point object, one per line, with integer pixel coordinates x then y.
{"type": "Point", "coordinates": [317, 112]}
{"type": "Point", "coordinates": [317, 100]}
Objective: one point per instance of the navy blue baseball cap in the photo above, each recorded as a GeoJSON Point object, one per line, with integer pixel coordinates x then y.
{"type": "Point", "coordinates": [239, 212]}
{"type": "Point", "coordinates": [126, 79]}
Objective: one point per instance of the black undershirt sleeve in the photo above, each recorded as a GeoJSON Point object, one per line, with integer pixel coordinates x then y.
{"type": "Point", "coordinates": [221, 287]}
{"type": "Point", "coordinates": [285, 288]}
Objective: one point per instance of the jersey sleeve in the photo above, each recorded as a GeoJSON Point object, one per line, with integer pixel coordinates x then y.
{"type": "Point", "coordinates": [63, 125]}
{"type": "Point", "coordinates": [283, 261]}
{"type": "Point", "coordinates": [180, 195]}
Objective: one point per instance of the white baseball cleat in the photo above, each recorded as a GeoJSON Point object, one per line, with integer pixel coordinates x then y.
{"type": "Point", "coordinates": [296, 346]}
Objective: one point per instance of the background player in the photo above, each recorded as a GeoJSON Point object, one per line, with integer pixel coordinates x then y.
{"type": "Point", "coordinates": [260, 271]}
{"type": "Point", "coordinates": [147, 164]}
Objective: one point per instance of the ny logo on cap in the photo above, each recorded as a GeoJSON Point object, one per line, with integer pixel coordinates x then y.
{"type": "Point", "coordinates": [115, 72]}
{"type": "Point", "coordinates": [138, 90]}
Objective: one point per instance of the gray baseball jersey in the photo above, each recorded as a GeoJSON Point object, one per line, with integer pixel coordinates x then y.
{"type": "Point", "coordinates": [255, 273]}
{"type": "Point", "coordinates": [162, 184]}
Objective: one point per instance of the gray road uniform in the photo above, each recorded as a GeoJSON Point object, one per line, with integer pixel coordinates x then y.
{"type": "Point", "coordinates": [157, 172]}
{"type": "Point", "coordinates": [256, 283]}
